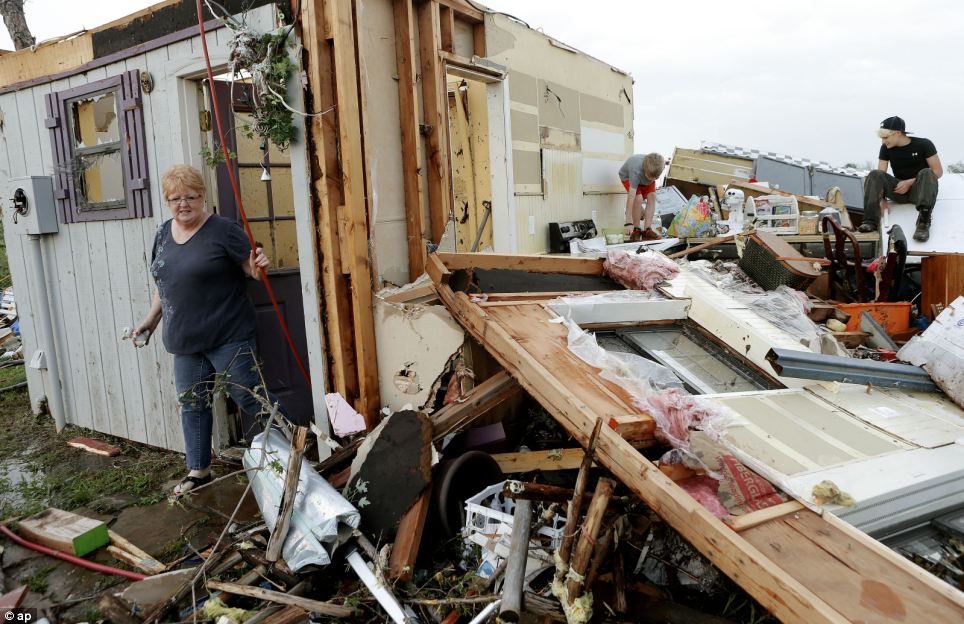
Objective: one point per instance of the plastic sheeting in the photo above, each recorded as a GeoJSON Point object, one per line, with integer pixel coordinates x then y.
{"type": "Point", "coordinates": [635, 374]}
{"type": "Point", "coordinates": [322, 519]}
{"type": "Point", "coordinates": [639, 271]}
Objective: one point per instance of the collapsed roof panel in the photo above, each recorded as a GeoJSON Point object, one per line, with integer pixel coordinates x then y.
{"type": "Point", "coordinates": [802, 566]}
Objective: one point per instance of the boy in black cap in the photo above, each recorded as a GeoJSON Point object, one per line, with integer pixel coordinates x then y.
{"type": "Point", "coordinates": [916, 168]}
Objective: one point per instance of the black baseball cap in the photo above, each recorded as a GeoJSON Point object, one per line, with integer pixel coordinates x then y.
{"type": "Point", "coordinates": [894, 123]}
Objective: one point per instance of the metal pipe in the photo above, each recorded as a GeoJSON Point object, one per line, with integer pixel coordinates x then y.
{"type": "Point", "coordinates": [486, 613]}
{"type": "Point", "coordinates": [515, 570]}
{"type": "Point", "coordinates": [807, 365]}
{"type": "Point", "coordinates": [377, 588]}
{"type": "Point", "coordinates": [55, 400]}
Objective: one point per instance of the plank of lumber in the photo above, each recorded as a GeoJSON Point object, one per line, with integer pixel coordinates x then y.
{"type": "Point", "coordinates": [325, 608]}
{"type": "Point", "coordinates": [435, 113]}
{"type": "Point", "coordinates": [557, 459]}
{"type": "Point", "coordinates": [488, 394]}
{"type": "Point", "coordinates": [326, 197]}
{"type": "Point", "coordinates": [350, 132]}
{"type": "Point", "coordinates": [860, 583]}
{"type": "Point", "coordinates": [94, 446]}
{"type": "Point", "coordinates": [122, 542]}
{"type": "Point", "coordinates": [408, 117]}
{"type": "Point", "coordinates": [786, 597]}
{"type": "Point", "coordinates": [752, 519]}
{"type": "Point", "coordinates": [531, 264]}
{"type": "Point", "coordinates": [144, 565]}
{"type": "Point", "coordinates": [408, 538]}
{"type": "Point", "coordinates": [288, 496]}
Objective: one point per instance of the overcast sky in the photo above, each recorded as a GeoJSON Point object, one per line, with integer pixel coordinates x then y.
{"type": "Point", "coordinates": [812, 79]}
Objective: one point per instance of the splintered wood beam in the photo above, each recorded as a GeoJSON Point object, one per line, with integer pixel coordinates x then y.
{"type": "Point", "coordinates": [325, 608]}
{"type": "Point", "coordinates": [289, 496]}
{"type": "Point", "coordinates": [575, 505]}
{"type": "Point", "coordinates": [435, 105]}
{"type": "Point", "coordinates": [488, 394]}
{"type": "Point", "coordinates": [408, 538]}
{"type": "Point", "coordinates": [326, 198]}
{"type": "Point", "coordinates": [350, 133]}
{"type": "Point", "coordinates": [588, 533]}
{"type": "Point", "coordinates": [408, 116]}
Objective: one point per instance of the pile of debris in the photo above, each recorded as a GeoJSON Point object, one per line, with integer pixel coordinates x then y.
{"type": "Point", "coordinates": [11, 348]}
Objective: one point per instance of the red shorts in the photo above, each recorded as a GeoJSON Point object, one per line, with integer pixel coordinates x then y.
{"type": "Point", "coordinates": [641, 190]}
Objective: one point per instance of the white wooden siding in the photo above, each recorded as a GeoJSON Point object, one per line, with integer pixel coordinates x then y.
{"type": "Point", "coordinates": [97, 272]}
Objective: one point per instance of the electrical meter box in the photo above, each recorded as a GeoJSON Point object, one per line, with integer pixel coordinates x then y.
{"type": "Point", "coordinates": [29, 206]}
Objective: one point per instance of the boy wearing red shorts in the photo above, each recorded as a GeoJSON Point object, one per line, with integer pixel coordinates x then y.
{"type": "Point", "coordinates": [638, 175]}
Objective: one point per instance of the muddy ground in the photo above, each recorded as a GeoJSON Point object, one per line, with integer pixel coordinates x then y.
{"type": "Point", "coordinates": [129, 492]}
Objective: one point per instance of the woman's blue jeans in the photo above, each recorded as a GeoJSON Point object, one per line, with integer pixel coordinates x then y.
{"type": "Point", "coordinates": [232, 367]}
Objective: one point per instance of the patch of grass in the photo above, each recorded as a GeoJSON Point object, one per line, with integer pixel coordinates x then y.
{"type": "Point", "coordinates": [69, 478]}
{"type": "Point", "coordinates": [37, 582]}
{"type": "Point", "coordinates": [12, 374]}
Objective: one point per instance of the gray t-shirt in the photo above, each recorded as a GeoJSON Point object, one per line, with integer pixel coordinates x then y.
{"type": "Point", "coordinates": [202, 286]}
{"type": "Point", "coordinates": [632, 170]}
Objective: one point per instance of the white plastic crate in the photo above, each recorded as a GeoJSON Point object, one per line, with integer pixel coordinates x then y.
{"type": "Point", "coordinates": [489, 514]}
{"type": "Point", "coordinates": [779, 214]}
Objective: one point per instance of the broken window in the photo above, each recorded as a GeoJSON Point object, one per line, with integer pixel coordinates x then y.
{"type": "Point", "coordinates": [97, 167]}
{"type": "Point", "coordinates": [702, 366]}
{"type": "Point", "coordinates": [99, 150]}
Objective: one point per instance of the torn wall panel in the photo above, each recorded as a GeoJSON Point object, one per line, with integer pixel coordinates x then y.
{"type": "Point", "coordinates": [415, 343]}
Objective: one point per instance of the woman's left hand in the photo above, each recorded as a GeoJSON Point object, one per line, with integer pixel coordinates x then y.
{"type": "Point", "coordinates": [256, 262]}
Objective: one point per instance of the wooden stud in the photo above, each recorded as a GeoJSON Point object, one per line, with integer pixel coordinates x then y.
{"type": "Point", "coordinates": [408, 116]}
{"type": "Point", "coordinates": [447, 28]}
{"type": "Point", "coordinates": [438, 175]}
{"type": "Point", "coordinates": [482, 398]}
{"type": "Point", "coordinates": [408, 538]}
{"type": "Point", "coordinates": [327, 196]}
{"type": "Point", "coordinates": [288, 496]}
{"type": "Point", "coordinates": [478, 40]}
{"type": "Point", "coordinates": [353, 182]}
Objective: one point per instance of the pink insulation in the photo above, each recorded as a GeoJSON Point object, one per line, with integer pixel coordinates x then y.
{"type": "Point", "coordinates": [676, 413]}
{"type": "Point", "coordinates": [639, 271]}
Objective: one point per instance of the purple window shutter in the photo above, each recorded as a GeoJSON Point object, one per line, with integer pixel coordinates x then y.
{"type": "Point", "coordinates": [63, 191]}
{"type": "Point", "coordinates": [134, 146]}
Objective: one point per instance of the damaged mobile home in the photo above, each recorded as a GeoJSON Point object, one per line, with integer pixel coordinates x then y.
{"type": "Point", "coordinates": [785, 453]}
